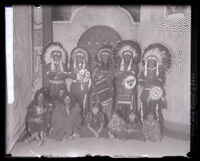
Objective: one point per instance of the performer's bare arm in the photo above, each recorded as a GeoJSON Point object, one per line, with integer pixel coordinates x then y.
{"type": "Point", "coordinates": [91, 129]}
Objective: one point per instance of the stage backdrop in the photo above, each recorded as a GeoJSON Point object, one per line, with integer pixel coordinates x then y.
{"type": "Point", "coordinates": [22, 60]}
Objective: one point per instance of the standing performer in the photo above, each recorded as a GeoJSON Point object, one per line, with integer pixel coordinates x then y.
{"type": "Point", "coordinates": [156, 61]}
{"type": "Point", "coordinates": [55, 58]}
{"type": "Point", "coordinates": [125, 79]}
{"type": "Point", "coordinates": [102, 87]}
{"type": "Point", "coordinates": [81, 77]}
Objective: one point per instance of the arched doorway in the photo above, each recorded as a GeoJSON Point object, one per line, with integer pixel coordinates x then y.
{"type": "Point", "coordinates": [97, 36]}
{"type": "Point", "coordinates": [84, 18]}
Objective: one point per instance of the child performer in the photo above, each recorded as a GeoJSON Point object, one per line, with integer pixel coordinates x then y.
{"type": "Point", "coordinates": [151, 128]}
{"type": "Point", "coordinates": [116, 126]}
{"type": "Point", "coordinates": [133, 129]}
{"type": "Point", "coordinates": [94, 123]}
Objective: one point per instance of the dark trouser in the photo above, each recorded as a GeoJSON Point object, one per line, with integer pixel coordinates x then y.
{"type": "Point", "coordinates": [107, 109]}
{"type": "Point", "coordinates": [54, 89]}
{"type": "Point", "coordinates": [49, 119]}
{"type": "Point", "coordinates": [116, 133]}
{"type": "Point", "coordinates": [81, 97]}
{"type": "Point", "coordinates": [61, 129]}
{"type": "Point", "coordinates": [85, 132]}
{"type": "Point", "coordinates": [37, 127]}
{"type": "Point", "coordinates": [133, 135]}
{"type": "Point", "coordinates": [83, 105]}
{"type": "Point", "coordinates": [152, 108]}
{"type": "Point", "coordinates": [124, 110]}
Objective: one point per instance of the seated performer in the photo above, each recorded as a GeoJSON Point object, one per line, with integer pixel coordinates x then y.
{"type": "Point", "coordinates": [115, 126]}
{"type": "Point", "coordinates": [50, 108]}
{"type": "Point", "coordinates": [94, 123]}
{"type": "Point", "coordinates": [151, 128]}
{"type": "Point", "coordinates": [66, 118]}
{"type": "Point", "coordinates": [133, 129]}
{"type": "Point", "coordinates": [54, 56]}
{"type": "Point", "coordinates": [38, 118]}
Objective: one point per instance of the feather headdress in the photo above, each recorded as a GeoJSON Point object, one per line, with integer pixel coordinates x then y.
{"type": "Point", "coordinates": [51, 49]}
{"type": "Point", "coordinates": [79, 51]}
{"type": "Point", "coordinates": [160, 53]}
{"type": "Point", "coordinates": [107, 49]}
{"type": "Point", "coordinates": [129, 46]}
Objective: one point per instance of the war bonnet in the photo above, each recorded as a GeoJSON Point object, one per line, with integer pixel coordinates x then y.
{"type": "Point", "coordinates": [160, 53]}
{"type": "Point", "coordinates": [129, 47]}
{"type": "Point", "coordinates": [54, 48]}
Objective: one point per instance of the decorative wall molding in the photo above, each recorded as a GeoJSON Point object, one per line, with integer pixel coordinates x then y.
{"type": "Point", "coordinates": [76, 12]}
{"type": "Point", "coordinates": [85, 17]}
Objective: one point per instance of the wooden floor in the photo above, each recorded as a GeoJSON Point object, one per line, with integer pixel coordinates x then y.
{"type": "Point", "coordinates": [105, 147]}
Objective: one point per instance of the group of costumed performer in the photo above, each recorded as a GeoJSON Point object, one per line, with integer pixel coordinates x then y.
{"type": "Point", "coordinates": [55, 58]}
{"type": "Point", "coordinates": [114, 80]}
